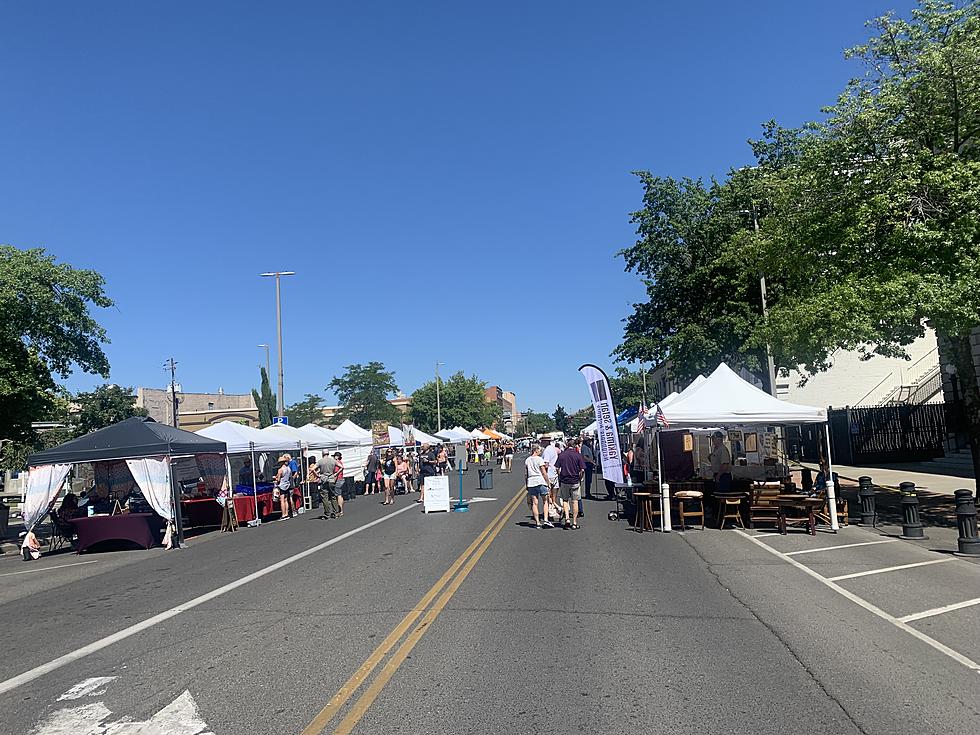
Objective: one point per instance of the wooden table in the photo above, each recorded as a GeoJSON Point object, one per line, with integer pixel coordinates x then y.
{"type": "Point", "coordinates": [805, 505]}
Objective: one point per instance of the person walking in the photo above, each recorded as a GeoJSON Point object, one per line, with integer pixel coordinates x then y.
{"type": "Point", "coordinates": [571, 470]}
{"type": "Point", "coordinates": [371, 473]}
{"type": "Point", "coordinates": [550, 455]}
{"type": "Point", "coordinates": [538, 490]}
{"type": "Point", "coordinates": [283, 485]}
{"type": "Point", "coordinates": [312, 478]}
{"type": "Point", "coordinates": [428, 467]}
{"type": "Point", "coordinates": [589, 455]}
{"type": "Point", "coordinates": [509, 457]}
{"type": "Point", "coordinates": [338, 483]}
{"type": "Point", "coordinates": [328, 487]}
{"type": "Point", "coordinates": [389, 473]}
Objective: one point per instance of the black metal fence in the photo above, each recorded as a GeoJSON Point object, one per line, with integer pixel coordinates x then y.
{"type": "Point", "coordinates": [902, 433]}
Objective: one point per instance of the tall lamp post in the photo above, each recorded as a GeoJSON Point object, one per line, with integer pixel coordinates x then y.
{"type": "Point", "coordinates": [438, 399]}
{"type": "Point", "coordinates": [277, 275]}
{"type": "Point", "coordinates": [268, 371]}
{"type": "Point", "coordinates": [770, 364]}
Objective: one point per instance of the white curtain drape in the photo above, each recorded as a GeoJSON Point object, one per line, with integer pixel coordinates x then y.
{"type": "Point", "coordinates": [153, 477]}
{"type": "Point", "coordinates": [43, 484]}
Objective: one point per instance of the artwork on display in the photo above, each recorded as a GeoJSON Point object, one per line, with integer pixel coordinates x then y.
{"type": "Point", "coordinates": [688, 443]}
{"type": "Point", "coordinates": [751, 442]}
{"type": "Point", "coordinates": [735, 439]}
{"type": "Point", "coordinates": [379, 433]}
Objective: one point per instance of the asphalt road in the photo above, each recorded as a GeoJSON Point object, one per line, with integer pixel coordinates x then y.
{"type": "Point", "coordinates": [530, 631]}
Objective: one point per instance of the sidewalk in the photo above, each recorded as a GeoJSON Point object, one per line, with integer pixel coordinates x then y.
{"type": "Point", "coordinates": [891, 476]}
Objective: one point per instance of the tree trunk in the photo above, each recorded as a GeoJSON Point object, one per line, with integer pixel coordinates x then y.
{"type": "Point", "coordinates": [961, 353]}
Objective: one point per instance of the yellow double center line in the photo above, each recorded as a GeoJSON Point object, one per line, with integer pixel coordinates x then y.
{"type": "Point", "coordinates": [447, 586]}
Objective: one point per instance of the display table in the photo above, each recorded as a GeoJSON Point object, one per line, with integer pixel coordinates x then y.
{"type": "Point", "coordinates": [245, 505]}
{"type": "Point", "coordinates": [133, 527]}
{"type": "Point", "coordinates": [201, 512]}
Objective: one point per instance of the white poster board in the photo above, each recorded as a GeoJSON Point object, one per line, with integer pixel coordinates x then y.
{"type": "Point", "coordinates": [436, 494]}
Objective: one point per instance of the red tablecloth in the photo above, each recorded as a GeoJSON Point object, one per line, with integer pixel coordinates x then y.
{"type": "Point", "coordinates": [245, 505]}
{"type": "Point", "coordinates": [202, 512]}
{"type": "Point", "coordinates": [133, 527]}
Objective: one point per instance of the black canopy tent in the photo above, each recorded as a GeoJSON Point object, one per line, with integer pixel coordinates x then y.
{"type": "Point", "coordinates": [132, 438]}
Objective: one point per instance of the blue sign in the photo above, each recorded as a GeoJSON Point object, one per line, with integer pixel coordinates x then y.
{"type": "Point", "coordinates": [284, 420]}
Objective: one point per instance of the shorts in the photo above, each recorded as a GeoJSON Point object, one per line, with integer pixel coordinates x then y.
{"type": "Point", "coordinates": [538, 491]}
{"type": "Point", "coordinates": [570, 491]}
{"type": "Point", "coordinates": [389, 477]}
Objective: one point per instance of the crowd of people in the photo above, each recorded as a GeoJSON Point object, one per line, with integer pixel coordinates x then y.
{"type": "Point", "coordinates": [556, 476]}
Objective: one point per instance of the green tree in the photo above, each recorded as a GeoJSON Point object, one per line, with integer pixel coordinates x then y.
{"type": "Point", "coordinates": [627, 390]}
{"type": "Point", "coordinates": [703, 304]}
{"type": "Point", "coordinates": [538, 423]}
{"type": "Point", "coordinates": [265, 400]}
{"type": "Point", "coordinates": [307, 411]}
{"type": "Point", "coordinates": [873, 226]}
{"type": "Point", "coordinates": [463, 402]}
{"type": "Point", "coordinates": [580, 419]}
{"type": "Point", "coordinates": [363, 392]}
{"type": "Point", "coordinates": [104, 406]}
{"type": "Point", "coordinates": [46, 330]}
{"type": "Point", "coordinates": [560, 418]}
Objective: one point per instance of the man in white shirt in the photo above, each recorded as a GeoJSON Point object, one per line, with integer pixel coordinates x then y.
{"type": "Point", "coordinates": [550, 455]}
{"type": "Point", "coordinates": [721, 463]}
{"type": "Point", "coordinates": [535, 471]}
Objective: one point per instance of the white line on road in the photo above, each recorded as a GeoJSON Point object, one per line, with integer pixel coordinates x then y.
{"type": "Point", "coordinates": [32, 674]}
{"type": "Point", "coordinates": [940, 610]}
{"type": "Point", "coordinates": [888, 569]}
{"type": "Point", "coordinates": [46, 569]}
{"type": "Point", "coordinates": [842, 546]}
{"type": "Point", "coordinates": [873, 609]}
{"type": "Point", "coordinates": [88, 687]}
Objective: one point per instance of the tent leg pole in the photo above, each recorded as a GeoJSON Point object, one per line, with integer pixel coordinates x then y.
{"type": "Point", "coordinates": [831, 490]}
{"type": "Point", "coordinates": [664, 492]}
{"type": "Point", "coordinates": [255, 486]}
{"type": "Point", "coordinates": [178, 519]}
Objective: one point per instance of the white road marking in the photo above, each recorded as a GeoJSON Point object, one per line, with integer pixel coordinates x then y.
{"type": "Point", "coordinates": [873, 609]}
{"type": "Point", "coordinates": [888, 569]}
{"type": "Point", "coordinates": [87, 688]}
{"type": "Point", "coordinates": [180, 717]}
{"type": "Point", "coordinates": [940, 610]}
{"type": "Point", "coordinates": [47, 569]}
{"type": "Point", "coordinates": [482, 500]}
{"type": "Point", "coordinates": [842, 546]}
{"type": "Point", "coordinates": [32, 674]}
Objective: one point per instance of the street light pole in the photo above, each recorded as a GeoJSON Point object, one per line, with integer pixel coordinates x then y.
{"type": "Point", "coordinates": [770, 364]}
{"type": "Point", "coordinates": [277, 274]}
{"type": "Point", "coordinates": [438, 399]}
{"type": "Point", "coordinates": [268, 371]}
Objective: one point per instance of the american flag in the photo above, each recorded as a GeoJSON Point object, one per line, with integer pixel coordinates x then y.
{"type": "Point", "coordinates": [661, 419]}
{"type": "Point", "coordinates": [642, 422]}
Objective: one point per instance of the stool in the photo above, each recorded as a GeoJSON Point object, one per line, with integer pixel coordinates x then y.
{"type": "Point", "coordinates": [692, 496]}
{"type": "Point", "coordinates": [644, 512]}
{"type": "Point", "coordinates": [729, 509]}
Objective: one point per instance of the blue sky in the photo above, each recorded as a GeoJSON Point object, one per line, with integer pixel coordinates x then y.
{"type": "Point", "coordinates": [451, 181]}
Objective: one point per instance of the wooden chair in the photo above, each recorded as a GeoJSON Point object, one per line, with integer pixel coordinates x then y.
{"type": "Point", "coordinates": [645, 511]}
{"type": "Point", "coordinates": [729, 509]}
{"type": "Point", "coordinates": [763, 507]}
{"type": "Point", "coordinates": [823, 513]}
{"type": "Point", "coordinates": [683, 499]}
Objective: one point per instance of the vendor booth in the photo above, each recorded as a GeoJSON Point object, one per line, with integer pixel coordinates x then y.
{"type": "Point", "coordinates": [678, 446]}
{"type": "Point", "coordinates": [253, 496]}
{"type": "Point", "coordinates": [134, 491]}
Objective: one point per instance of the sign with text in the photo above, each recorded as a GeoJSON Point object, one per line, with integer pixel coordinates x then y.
{"type": "Point", "coordinates": [436, 494]}
{"type": "Point", "coordinates": [379, 434]}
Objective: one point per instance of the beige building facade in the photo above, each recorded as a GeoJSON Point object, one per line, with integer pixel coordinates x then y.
{"type": "Point", "coordinates": [198, 410]}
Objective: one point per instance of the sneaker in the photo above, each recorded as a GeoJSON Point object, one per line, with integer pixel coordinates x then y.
{"type": "Point", "coordinates": [537, 525]}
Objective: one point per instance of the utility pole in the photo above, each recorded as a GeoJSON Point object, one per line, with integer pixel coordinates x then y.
{"type": "Point", "coordinates": [770, 364]}
{"type": "Point", "coordinates": [268, 371]}
{"type": "Point", "coordinates": [277, 274]}
{"type": "Point", "coordinates": [170, 363]}
{"type": "Point", "coordinates": [438, 399]}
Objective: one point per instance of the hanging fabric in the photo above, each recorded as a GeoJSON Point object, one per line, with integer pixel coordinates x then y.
{"type": "Point", "coordinates": [43, 484]}
{"type": "Point", "coordinates": [153, 478]}
{"type": "Point", "coordinates": [213, 471]}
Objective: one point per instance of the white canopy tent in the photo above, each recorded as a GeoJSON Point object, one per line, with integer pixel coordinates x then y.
{"type": "Point", "coordinates": [356, 445]}
{"type": "Point", "coordinates": [351, 430]}
{"type": "Point", "coordinates": [477, 434]}
{"type": "Point", "coordinates": [397, 436]}
{"type": "Point", "coordinates": [723, 399]}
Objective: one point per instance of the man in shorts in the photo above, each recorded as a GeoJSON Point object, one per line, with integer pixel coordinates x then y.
{"type": "Point", "coordinates": [535, 472]}
{"type": "Point", "coordinates": [571, 470]}
{"type": "Point", "coordinates": [550, 455]}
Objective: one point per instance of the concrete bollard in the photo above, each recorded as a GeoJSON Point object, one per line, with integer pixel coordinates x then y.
{"type": "Point", "coordinates": [869, 513]}
{"type": "Point", "coordinates": [911, 525]}
{"type": "Point", "coordinates": [966, 521]}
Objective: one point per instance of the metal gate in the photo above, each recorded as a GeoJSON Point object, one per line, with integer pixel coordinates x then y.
{"type": "Point", "coordinates": [880, 434]}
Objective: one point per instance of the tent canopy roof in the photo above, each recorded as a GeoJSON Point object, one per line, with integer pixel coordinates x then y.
{"type": "Point", "coordinates": [241, 439]}
{"type": "Point", "coordinates": [131, 438]}
{"type": "Point", "coordinates": [724, 399]}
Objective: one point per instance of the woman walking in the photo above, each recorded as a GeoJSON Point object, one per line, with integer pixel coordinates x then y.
{"type": "Point", "coordinates": [509, 457]}
{"type": "Point", "coordinates": [389, 473]}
